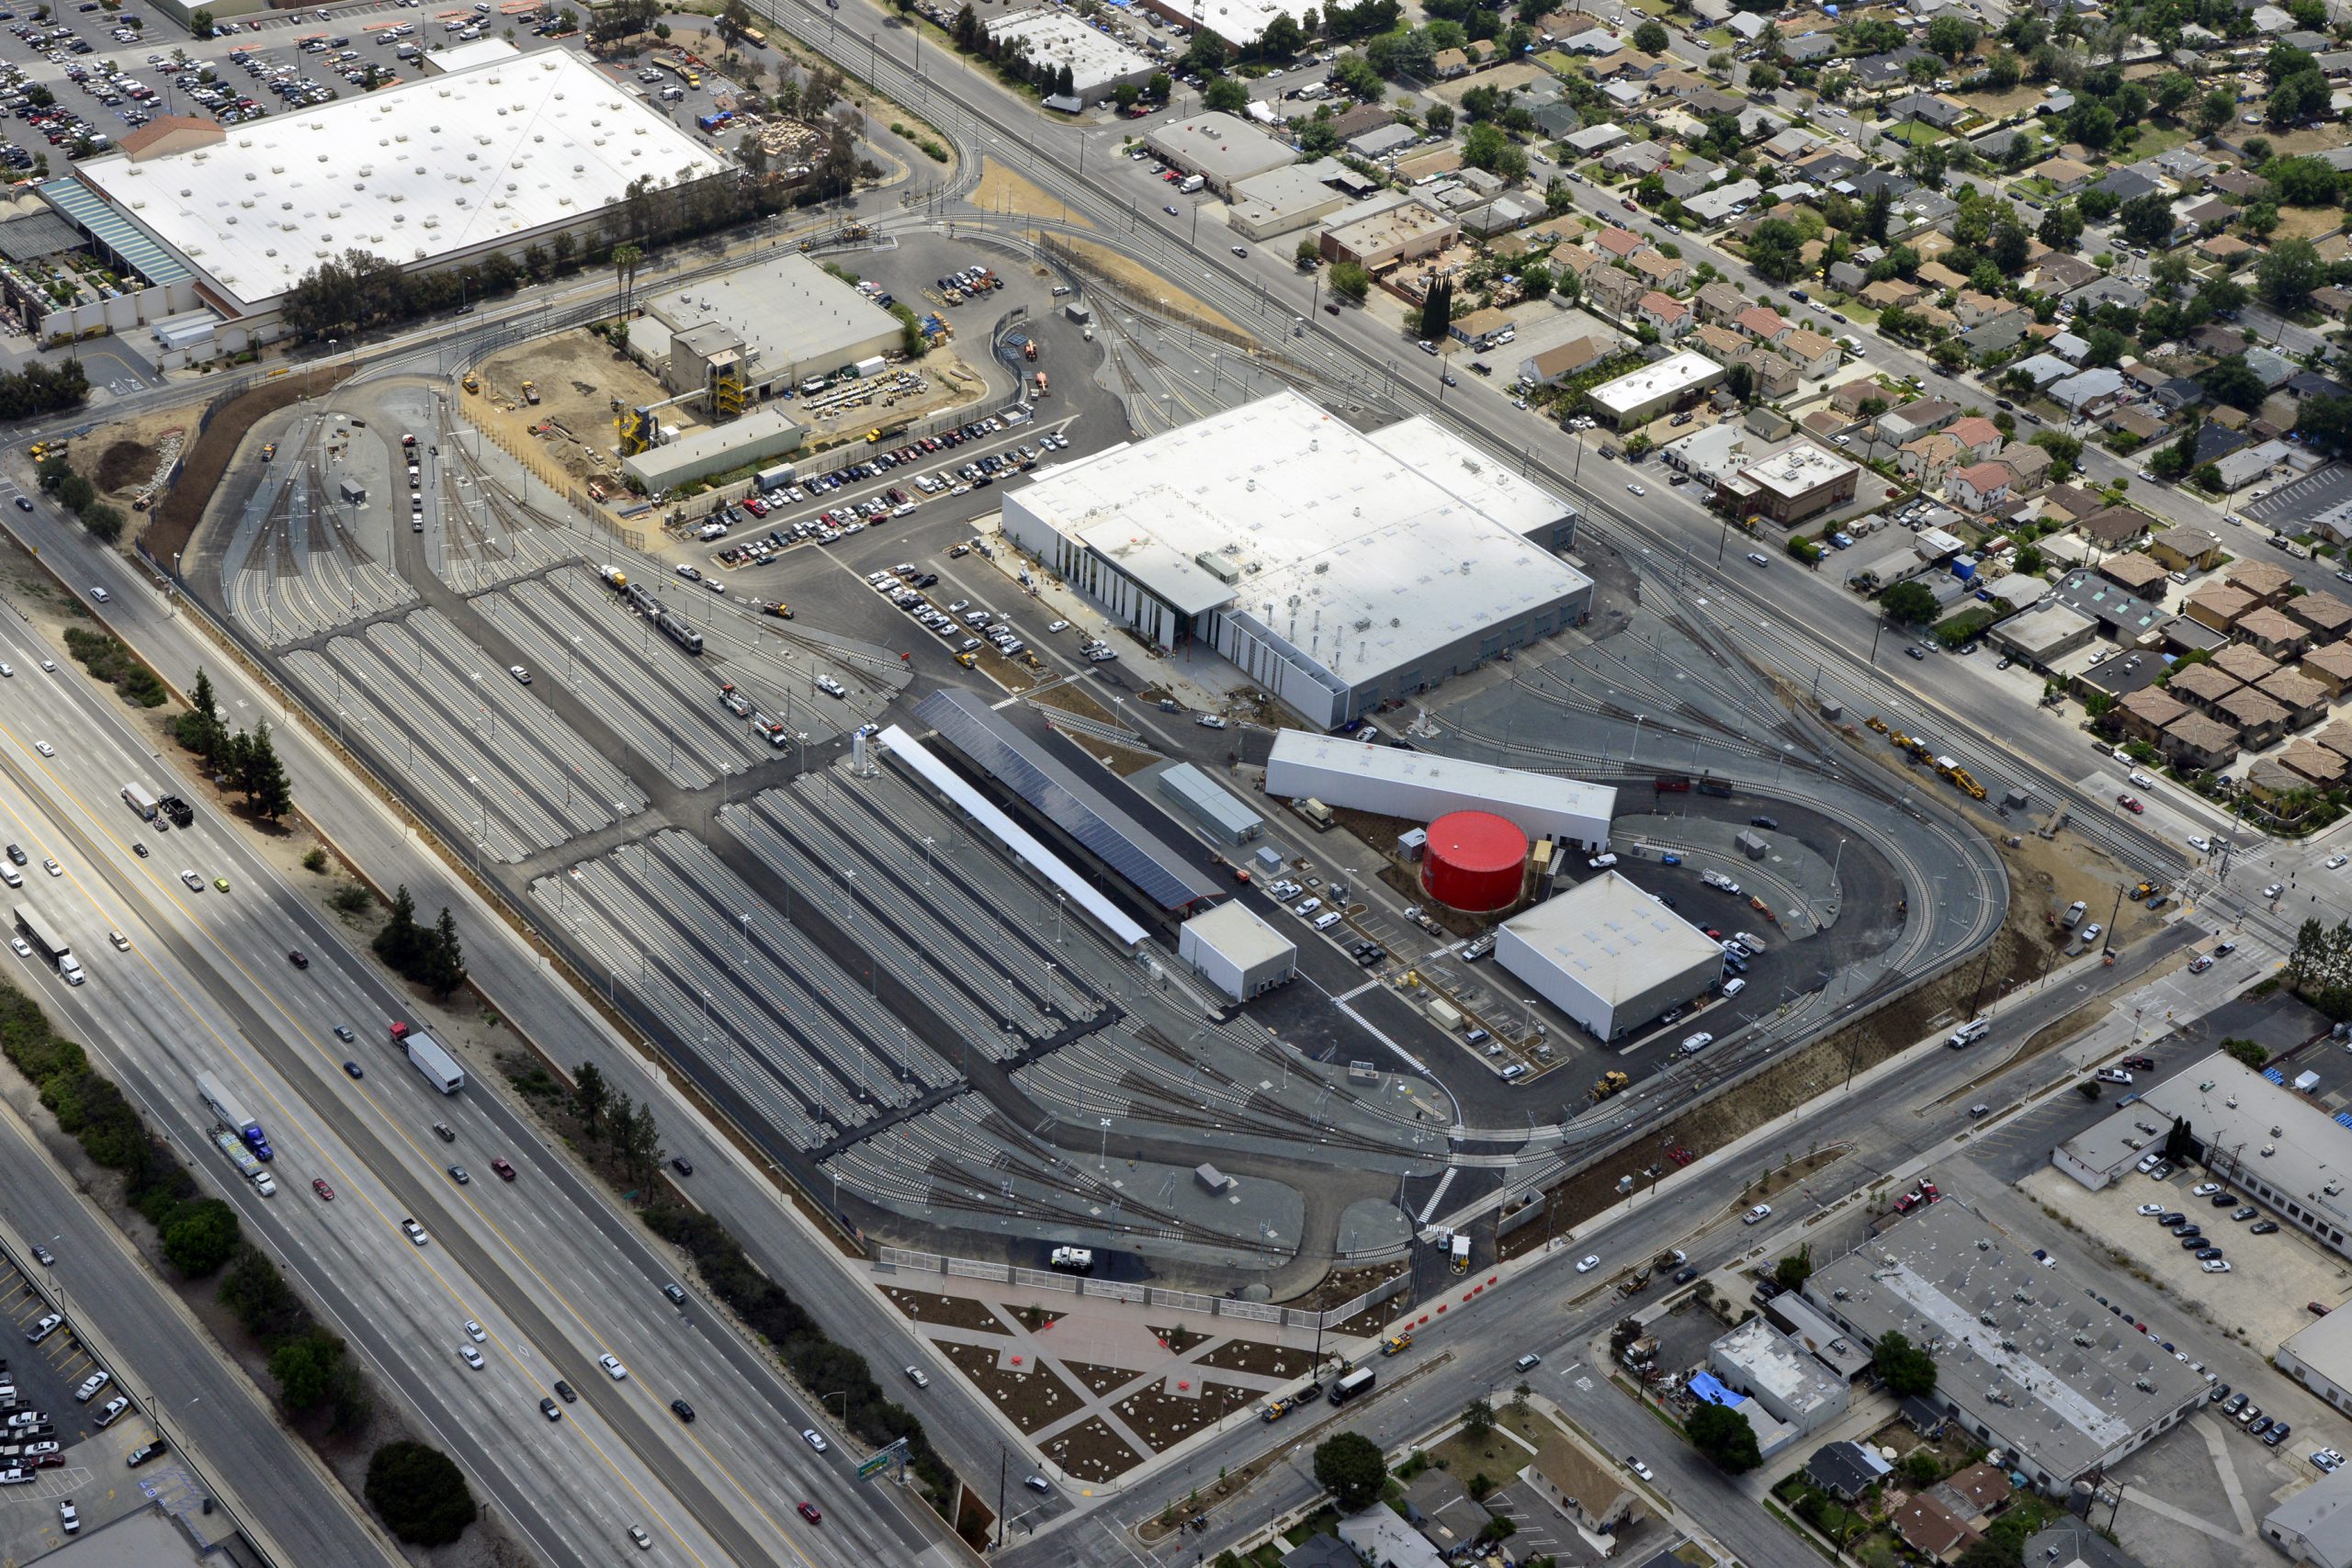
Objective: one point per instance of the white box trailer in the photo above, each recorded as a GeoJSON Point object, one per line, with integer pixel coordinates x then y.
{"type": "Point", "coordinates": [425, 1055]}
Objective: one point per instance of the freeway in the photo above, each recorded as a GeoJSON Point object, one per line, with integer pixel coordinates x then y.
{"type": "Point", "coordinates": [545, 1265]}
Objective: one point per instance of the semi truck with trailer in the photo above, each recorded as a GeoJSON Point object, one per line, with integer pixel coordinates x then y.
{"type": "Point", "coordinates": [243, 1159]}
{"type": "Point", "coordinates": [51, 942]}
{"type": "Point", "coordinates": [233, 1116]}
{"type": "Point", "coordinates": [425, 1055]}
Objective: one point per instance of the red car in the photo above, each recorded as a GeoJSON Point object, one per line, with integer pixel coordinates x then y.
{"type": "Point", "coordinates": [2129, 803]}
{"type": "Point", "coordinates": [809, 1511]}
{"type": "Point", "coordinates": [319, 1185]}
{"type": "Point", "coordinates": [505, 1171]}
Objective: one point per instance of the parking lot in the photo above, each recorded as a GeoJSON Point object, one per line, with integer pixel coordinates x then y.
{"type": "Point", "coordinates": [2261, 1299]}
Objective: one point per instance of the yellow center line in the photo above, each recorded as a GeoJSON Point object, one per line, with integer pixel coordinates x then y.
{"type": "Point", "coordinates": [171, 893]}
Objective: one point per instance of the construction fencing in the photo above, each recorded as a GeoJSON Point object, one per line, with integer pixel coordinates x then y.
{"type": "Point", "coordinates": [898, 1261]}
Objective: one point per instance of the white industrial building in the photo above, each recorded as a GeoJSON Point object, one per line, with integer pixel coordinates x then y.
{"type": "Point", "coordinates": [1421, 786]}
{"type": "Point", "coordinates": [1223, 149]}
{"type": "Point", "coordinates": [1237, 22]}
{"type": "Point", "coordinates": [1097, 63]}
{"type": "Point", "coordinates": [1775, 1371]}
{"type": "Point", "coordinates": [759, 436]}
{"type": "Point", "coordinates": [1235, 952]}
{"type": "Point", "coordinates": [1337, 569]}
{"type": "Point", "coordinates": [766, 328]}
{"type": "Point", "coordinates": [431, 174]}
{"type": "Point", "coordinates": [1637, 398]}
{"type": "Point", "coordinates": [1608, 955]}
{"type": "Point", "coordinates": [2315, 1526]}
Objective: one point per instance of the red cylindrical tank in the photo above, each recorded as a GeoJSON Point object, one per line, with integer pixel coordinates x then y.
{"type": "Point", "coordinates": [1477, 860]}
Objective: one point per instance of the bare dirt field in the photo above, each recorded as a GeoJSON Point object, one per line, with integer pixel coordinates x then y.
{"type": "Point", "coordinates": [570, 435]}
{"type": "Point", "coordinates": [1144, 283]}
{"type": "Point", "coordinates": [1002, 190]}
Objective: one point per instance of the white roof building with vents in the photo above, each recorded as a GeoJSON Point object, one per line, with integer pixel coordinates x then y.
{"type": "Point", "coordinates": [1608, 955]}
{"type": "Point", "coordinates": [430, 175]}
{"type": "Point", "coordinates": [1336, 569]}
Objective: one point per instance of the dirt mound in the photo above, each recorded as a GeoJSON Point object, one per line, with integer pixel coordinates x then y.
{"type": "Point", "coordinates": [123, 464]}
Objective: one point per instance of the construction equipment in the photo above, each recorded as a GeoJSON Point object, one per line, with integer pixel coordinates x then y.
{"type": "Point", "coordinates": [780, 611]}
{"type": "Point", "coordinates": [1874, 722]}
{"type": "Point", "coordinates": [2143, 891]}
{"type": "Point", "coordinates": [473, 383]}
{"type": "Point", "coordinates": [269, 450]}
{"type": "Point", "coordinates": [531, 393]}
{"type": "Point", "coordinates": [1611, 1082]}
{"type": "Point", "coordinates": [1397, 1344]}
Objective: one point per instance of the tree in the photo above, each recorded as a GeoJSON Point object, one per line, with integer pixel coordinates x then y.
{"type": "Point", "coordinates": [1309, 254]}
{"type": "Point", "coordinates": [1724, 1435]}
{"type": "Point", "coordinates": [2232, 382]}
{"type": "Point", "coordinates": [1905, 1367]}
{"type": "Point", "coordinates": [1226, 95]}
{"type": "Point", "coordinates": [201, 24]}
{"type": "Point", "coordinates": [2326, 424]}
{"type": "Point", "coordinates": [2061, 227]}
{"type": "Point", "coordinates": [2287, 274]}
{"type": "Point", "coordinates": [2147, 220]}
{"type": "Point", "coordinates": [1795, 1269]}
{"type": "Point", "coordinates": [1348, 1466]}
{"type": "Point", "coordinates": [1763, 78]}
{"type": "Point", "coordinates": [2249, 1052]}
{"type": "Point", "coordinates": [446, 970]}
{"type": "Point", "coordinates": [199, 1236]}
{"type": "Point", "coordinates": [1349, 281]}
{"type": "Point", "coordinates": [307, 1369]}
{"type": "Point", "coordinates": [2213, 111]}
{"type": "Point", "coordinates": [1739, 380]}
{"type": "Point", "coordinates": [1650, 38]}
{"type": "Point", "coordinates": [1776, 249]}
{"type": "Point", "coordinates": [1478, 1417]}
{"type": "Point", "coordinates": [263, 777]}
{"type": "Point", "coordinates": [589, 1095]}
{"type": "Point", "coordinates": [1908, 604]}
{"type": "Point", "coordinates": [1436, 311]}
{"type": "Point", "coordinates": [1438, 119]}
{"type": "Point", "coordinates": [1951, 37]}
{"type": "Point", "coordinates": [2010, 247]}
{"type": "Point", "coordinates": [1486, 147]}
{"type": "Point", "coordinates": [641, 1143]}
{"type": "Point", "coordinates": [734, 21]}
{"type": "Point", "coordinates": [420, 1494]}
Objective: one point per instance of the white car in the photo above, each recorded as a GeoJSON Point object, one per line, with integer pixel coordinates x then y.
{"type": "Point", "coordinates": [2201, 845]}
{"type": "Point", "coordinates": [90, 1386]}
{"type": "Point", "coordinates": [1697, 1042]}
{"type": "Point", "coordinates": [1638, 1468]}
{"type": "Point", "coordinates": [2205, 1190]}
{"type": "Point", "coordinates": [2332, 862]}
{"type": "Point", "coordinates": [1588, 1263]}
{"type": "Point", "coordinates": [612, 1368]}
{"type": "Point", "coordinates": [1637, 490]}
{"type": "Point", "coordinates": [1757, 1215]}
{"type": "Point", "coordinates": [44, 747]}
{"type": "Point", "coordinates": [474, 1333]}
{"type": "Point", "coordinates": [1211, 721]}
{"type": "Point", "coordinates": [815, 1439]}
{"type": "Point", "coordinates": [24, 949]}
{"type": "Point", "coordinates": [2150, 1211]}
{"type": "Point", "coordinates": [414, 1232]}
{"type": "Point", "coordinates": [195, 882]}
{"type": "Point", "coordinates": [831, 687]}
{"type": "Point", "coordinates": [1057, 627]}
{"type": "Point", "coordinates": [69, 1518]}
{"type": "Point", "coordinates": [470, 1356]}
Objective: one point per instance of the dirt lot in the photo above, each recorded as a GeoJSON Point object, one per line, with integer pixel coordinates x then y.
{"type": "Point", "coordinates": [1164, 1419]}
{"type": "Point", "coordinates": [2260, 1301]}
{"type": "Point", "coordinates": [1145, 284]}
{"type": "Point", "coordinates": [1092, 1451]}
{"type": "Point", "coordinates": [953, 1312]}
{"type": "Point", "coordinates": [1002, 190]}
{"type": "Point", "coordinates": [1031, 1398]}
{"type": "Point", "coordinates": [125, 459]}
{"type": "Point", "coordinates": [578, 377]}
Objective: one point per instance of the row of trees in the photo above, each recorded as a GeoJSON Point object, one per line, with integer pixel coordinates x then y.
{"type": "Point", "coordinates": [58, 480]}
{"type": "Point", "coordinates": [2320, 968]}
{"type": "Point", "coordinates": [248, 761]}
{"type": "Point", "coordinates": [624, 1132]}
{"type": "Point", "coordinates": [310, 1364]}
{"type": "Point", "coordinates": [42, 388]}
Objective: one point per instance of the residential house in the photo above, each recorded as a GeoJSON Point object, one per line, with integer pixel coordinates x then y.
{"type": "Point", "coordinates": [1479, 329]}
{"type": "Point", "coordinates": [1928, 459]}
{"type": "Point", "coordinates": [2114, 527]}
{"type": "Point", "coordinates": [2337, 738]}
{"type": "Point", "coordinates": [1663, 272]}
{"type": "Point", "coordinates": [1937, 276]}
{"type": "Point", "coordinates": [1893, 294]}
{"type": "Point", "coordinates": [1932, 1530]}
{"type": "Point", "coordinates": [2071, 501]}
{"type": "Point", "coordinates": [2258, 721]}
{"type": "Point", "coordinates": [2313, 763]}
{"type": "Point", "coordinates": [2133, 573]}
{"type": "Point", "coordinates": [2245, 662]}
{"type": "Point", "coordinates": [1979, 488]}
{"type": "Point", "coordinates": [2142, 715]}
{"type": "Point", "coordinates": [2029, 466]}
{"type": "Point", "coordinates": [1973, 1495]}
{"type": "Point", "coordinates": [1776, 375]}
{"type": "Point", "coordinates": [2220, 606]}
{"type": "Point", "coordinates": [1979, 438]}
{"type": "Point", "coordinates": [2266, 580]}
{"type": "Point", "coordinates": [2088, 392]}
{"type": "Point", "coordinates": [1719, 301]}
{"type": "Point", "coordinates": [1846, 1470]}
{"type": "Point", "coordinates": [2202, 687]}
{"type": "Point", "coordinates": [2060, 271]}
{"type": "Point", "coordinates": [1849, 399]}
{"type": "Point", "coordinates": [2274, 632]}
{"type": "Point", "coordinates": [1668, 316]}
{"type": "Point", "coordinates": [2330, 667]}
{"type": "Point", "coordinates": [2226, 250]}
{"type": "Point", "coordinates": [2239, 183]}
{"type": "Point", "coordinates": [1593, 1496]}
{"type": "Point", "coordinates": [2329, 617]}
{"type": "Point", "coordinates": [2304, 699]}
{"type": "Point", "coordinates": [2200, 742]}
{"type": "Point", "coordinates": [2186, 550]}
{"type": "Point", "coordinates": [1721, 343]}
{"type": "Point", "coordinates": [1556, 364]}
{"type": "Point", "coordinates": [1912, 420]}
{"type": "Point", "coordinates": [1613, 292]}
{"type": "Point", "coordinates": [2130, 423]}
{"type": "Point", "coordinates": [1618, 244]}
{"type": "Point", "coordinates": [2065, 174]}
{"type": "Point", "coordinates": [1815, 355]}
{"type": "Point", "coordinates": [1763, 323]}
{"type": "Point", "coordinates": [1450, 64]}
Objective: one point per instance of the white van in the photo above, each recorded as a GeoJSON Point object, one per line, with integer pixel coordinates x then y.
{"type": "Point", "coordinates": [1732, 988]}
{"type": "Point", "coordinates": [1328, 918]}
{"type": "Point", "coordinates": [1969, 1033]}
{"type": "Point", "coordinates": [1602, 863]}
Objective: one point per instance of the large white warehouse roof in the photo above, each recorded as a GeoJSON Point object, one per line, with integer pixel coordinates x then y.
{"type": "Point", "coordinates": [437, 168]}
{"type": "Point", "coordinates": [1424, 786]}
{"type": "Point", "coordinates": [1613, 940]}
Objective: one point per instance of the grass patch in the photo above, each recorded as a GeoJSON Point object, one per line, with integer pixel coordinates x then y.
{"type": "Point", "coordinates": [1917, 133]}
{"type": "Point", "coordinates": [110, 661]}
{"type": "Point", "coordinates": [1717, 38]}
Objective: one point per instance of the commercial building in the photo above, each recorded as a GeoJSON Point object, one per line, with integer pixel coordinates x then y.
{"type": "Point", "coordinates": [1223, 149]}
{"type": "Point", "coordinates": [1608, 955]}
{"type": "Point", "coordinates": [2315, 1526]}
{"type": "Point", "coordinates": [1421, 786]}
{"type": "Point", "coordinates": [1237, 22]}
{"type": "Point", "coordinates": [1774, 1370]}
{"type": "Point", "coordinates": [1337, 569]}
{"type": "Point", "coordinates": [1642, 396]}
{"type": "Point", "coordinates": [1267, 205]}
{"type": "Point", "coordinates": [1235, 952]}
{"type": "Point", "coordinates": [759, 436]}
{"type": "Point", "coordinates": [1391, 234]}
{"type": "Point", "coordinates": [1791, 485]}
{"type": "Point", "coordinates": [1213, 808]}
{"type": "Point", "coordinates": [431, 174]}
{"type": "Point", "coordinates": [1098, 62]}
{"type": "Point", "coordinates": [763, 330]}
{"type": "Point", "coordinates": [2026, 1358]}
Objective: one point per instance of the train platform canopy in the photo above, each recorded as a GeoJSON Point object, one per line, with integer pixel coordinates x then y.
{"type": "Point", "coordinates": [1109, 830]}
{"type": "Point", "coordinates": [906, 749]}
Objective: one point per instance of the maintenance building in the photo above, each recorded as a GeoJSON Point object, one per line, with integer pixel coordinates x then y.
{"type": "Point", "coordinates": [1097, 63]}
{"type": "Point", "coordinates": [762, 330]}
{"type": "Point", "coordinates": [1421, 786]}
{"type": "Point", "coordinates": [1799, 481]}
{"type": "Point", "coordinates": [1235, 952]}
{"type": "Point", "coordinates": [1642, 395]}
{"type": "Point", "coordinates": [2026, 1358]}
{"type": "Point", "coordinates": [1338, 569]}
{"type": "Point", "coordinates": [2315, 1526]}
{"type": "Point", "coordinates": [1608, 955]}
{"type": "Point", "coordinates": [1223, 149]}
{"type": "Point", "coordinates": [1774, 1370]}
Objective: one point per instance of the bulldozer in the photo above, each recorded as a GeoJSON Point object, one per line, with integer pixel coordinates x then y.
{"type": "Point", "coordinates": [1611, 1082]}
{"type": "Point", "coordinates": [1874, 722]}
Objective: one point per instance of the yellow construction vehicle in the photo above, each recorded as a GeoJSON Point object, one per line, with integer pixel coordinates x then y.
{"type": "Point", "coordinates": [1396, 1344]}
{"type": "Point", "coordinates": [1608, 1083]}
{"type": "Point", "coordinates": [966, 660]}
{"type": "Point", "coordinates": [1876, 723]}
{"type": "Point", "coordinates": [780, 611]}
{"type": "Point", "coordinates": [531, 393]}
{"type": "Point", "coordinates": [473, 383]}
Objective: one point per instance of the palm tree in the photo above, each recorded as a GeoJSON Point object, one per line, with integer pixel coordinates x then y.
{"type": "Point", "coordinates": [624, 260]}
